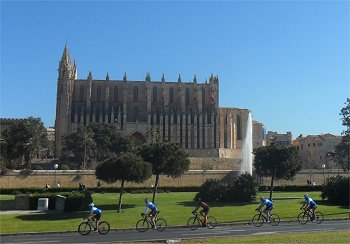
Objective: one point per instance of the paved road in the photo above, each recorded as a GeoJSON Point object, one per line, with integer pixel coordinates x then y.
{"type": "Point", "coordinates": [174, 233]}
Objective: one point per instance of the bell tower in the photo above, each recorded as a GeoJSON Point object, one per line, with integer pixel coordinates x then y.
{"type": "Point", "coordinates": [66, 75]}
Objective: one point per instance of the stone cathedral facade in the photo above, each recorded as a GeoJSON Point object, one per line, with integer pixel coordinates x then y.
{"type": "Point", "coordinates": [183, 112]}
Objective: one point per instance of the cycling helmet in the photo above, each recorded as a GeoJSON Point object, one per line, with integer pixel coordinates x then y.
{"type": "Point", "coordinates": [146, 199]}
{"type": "Point", "coordinates": [262, 198]}
{"type": "Point", "coordinates": [306, 196]}
{"type": "Point", "coordinates": [91, 205]}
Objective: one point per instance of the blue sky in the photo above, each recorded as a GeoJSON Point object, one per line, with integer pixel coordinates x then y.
{"type": "Point", "coordinates": [286, 61]}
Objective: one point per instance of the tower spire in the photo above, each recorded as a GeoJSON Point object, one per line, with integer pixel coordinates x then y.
{"type": "Point", "coordinates": [65, 60]}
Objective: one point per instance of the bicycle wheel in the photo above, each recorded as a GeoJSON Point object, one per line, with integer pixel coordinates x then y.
{"type": "Point", "coordinates": [211, 222]}
{"type": "Point", "coordinates": [274, 219]}
{"type": "Point", "coordinates": [161, 224]}
{"type": "Point", "coordinates": [103, 228]}
{"type": "Point", "coordinates": [303, 218]}
{"type": "Point", "coordinates": [84, 228]}
{"type": "Point", "coordinates": [319, 217]}
{"type": "Point", "coordinates": [258, 220]}
{"type": "Point", "coordinates": [193, 223]}
{"type": "Point", "coordinates": [142, 225]}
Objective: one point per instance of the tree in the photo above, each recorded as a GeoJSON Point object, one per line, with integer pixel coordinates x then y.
{"type": "Point", "coordinates": [125, 167]}
{"type": "Point", "coordinates": [166, 158]}
{"type": "Point", "coordinates": [23, 140]}
{"type": "Point", "coordinates": [276, 161]}
{"type": "Point", "coordinates": [97, 142]}
{"type": "Point", "coordinates": [342, 152]}
{"type": "Point", "coordinates": [78, 147]}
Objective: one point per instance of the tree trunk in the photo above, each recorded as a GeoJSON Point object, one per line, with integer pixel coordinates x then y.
{"type": "Point", "coordinates": [120, 196]}
{"type": "Point", "coordinates": [155, 188]}
{"type": "Point", "coordinates": [272, 180]}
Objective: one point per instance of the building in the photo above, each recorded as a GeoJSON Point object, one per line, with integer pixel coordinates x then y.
{"type": "Point", "coordinates": [184, 112]}
{"type": "Point", "coordinates": [6, 123]}
{"type": "Point", "coordinates": [259, 135]}
{"type": "Point", "coordinates": [282, 139]}
{"type": "Point", "coordinates": [314, 149]}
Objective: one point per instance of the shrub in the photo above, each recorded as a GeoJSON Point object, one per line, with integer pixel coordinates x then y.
{"type": "Point", "coordinates": [212, 191]}
{"type": "Point", "coordinates": [25, 172]}
{"type": "Point", "coordinates": [76, 201]}
{"type": "Point", "coordinates": [63, 167]}
{"type": "Point", "coordinates": [244, 188]}
{"type": "Point", "coordinates": [336, 190]}
{"type": "Point", "coordinates": [38, 167]}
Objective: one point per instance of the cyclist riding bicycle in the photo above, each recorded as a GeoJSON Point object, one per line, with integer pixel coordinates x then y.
{"type": "Point", "coordinates": [269, 206]}
{"type": "Point", "coordinates": [309, 205]}
{"type": "Point", "coordinates": [152, 213]}
{"type": "Point", "coordinates": [204, 211]}
{"type": "Point", "coordinates": [95, 213]}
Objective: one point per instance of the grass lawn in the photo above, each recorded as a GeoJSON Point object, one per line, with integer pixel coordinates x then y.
{"type": "Point", "coordinates": [174, 207]}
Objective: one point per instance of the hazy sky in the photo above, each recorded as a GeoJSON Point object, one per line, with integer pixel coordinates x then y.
{"type": "Point", "coordinates": [286, 61]}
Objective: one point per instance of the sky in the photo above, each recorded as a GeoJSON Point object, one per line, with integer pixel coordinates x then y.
{"type": "Point", "coordinates": [286, 61]}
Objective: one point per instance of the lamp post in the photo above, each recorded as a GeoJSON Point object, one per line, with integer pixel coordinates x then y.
{"type": "Point", "coordinates": [323, 167]}
{"type": "Point", "coordinates": [55, 167]}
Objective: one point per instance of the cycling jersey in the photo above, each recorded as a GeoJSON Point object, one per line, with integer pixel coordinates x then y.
{"type": "Point", "coordinates": [203, 205]}
{"type": "Point", "coordinates": [150, 205]}
{"type": "Point", "coordinates": [267, 202]}
{"type": "Point", "coordinates": [95, 210]}
{"type": "Point", "coordinates": [311, 202]}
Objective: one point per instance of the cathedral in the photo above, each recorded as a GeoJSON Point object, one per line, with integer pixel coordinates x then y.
{"type": "Point", "coordinates": [184, 112]}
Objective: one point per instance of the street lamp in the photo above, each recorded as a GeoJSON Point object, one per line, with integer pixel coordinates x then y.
{"type": "Point", "coordinates": [55, 167]}
{"type": "Point", "coordinates": [323, 167]}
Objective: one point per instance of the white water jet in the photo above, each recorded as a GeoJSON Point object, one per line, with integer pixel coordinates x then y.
{"type": "Point", "coordinates": [247, 152]}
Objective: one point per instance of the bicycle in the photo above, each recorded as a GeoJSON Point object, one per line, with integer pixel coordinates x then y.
{"type": "Point", "coordinates": [146, 222]}
{"type": "Point", "coordinates": [307, 215]}
{"type": "Point", "coordinates": [194, 222]}
{"type": "Point", "coordinates": [88, 223]}
{"type": "Point", "coordinates": [260, 218]}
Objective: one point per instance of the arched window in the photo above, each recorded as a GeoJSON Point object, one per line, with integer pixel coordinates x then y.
{"type": "Point", "coordinates": [136, 94]}
{"type": "Point", "coordinates": [98, 94]}
{"type": "Point", "coordinates": [154, 95]}
{"type": "Point", "coordinates": [136, 114]}
{"type": "Point", "coordinates": [187, 95]}
{"type": "Point", "coordinates": [115, 94]}
{"type": "Point", "coordinates": [171, 95]}
{"type": "Point", "coordinates": [81, 93]}
{"type": "Point", "coordinates": [239, 133]}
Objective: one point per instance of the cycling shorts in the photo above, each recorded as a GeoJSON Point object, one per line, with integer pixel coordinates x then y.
{"type": "Point", "coordinates": [205, 211]}
{"type": "Point", "coordinates": [269, 208]}
{"type": "Point", "coordinates": [97, 216]}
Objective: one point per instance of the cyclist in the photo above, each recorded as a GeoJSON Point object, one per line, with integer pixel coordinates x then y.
{"type": "Point", "coordinates": [204, 211]}
{"type": "Point", "coordinates": [269, 206]}
{"type": "Point", "coordinates": [95, 213]}
{"type": "Point", "coordinates": [154, 210]}
{"type": "Point", "coordinates": [310, 205]}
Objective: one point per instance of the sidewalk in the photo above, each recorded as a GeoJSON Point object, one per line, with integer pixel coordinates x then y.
{"type": "Point", "coordinates": [21, 212]}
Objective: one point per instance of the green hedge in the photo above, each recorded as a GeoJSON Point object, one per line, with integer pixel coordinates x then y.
{"type": "Point", "coordinates": [305, 188]}
{"type": "Point", "coordinates": [75, 201]}
{"type": "Point", "coordinates": [14, 191]}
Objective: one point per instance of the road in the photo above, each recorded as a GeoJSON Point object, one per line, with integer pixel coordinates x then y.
{"type": "Point", "coordinates": [174, 233]}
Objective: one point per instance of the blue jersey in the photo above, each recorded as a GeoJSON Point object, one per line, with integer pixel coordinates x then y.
{"type": "Point", "coordinates": [267, 202]}
{"type": "Point", "coordinates": [150, 205]}
{"type": "Point", "coordinates": [310, 202]}
{"type": "Point", "coordinates": [95, 210]}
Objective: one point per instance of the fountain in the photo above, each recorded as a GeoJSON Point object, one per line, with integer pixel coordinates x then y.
{"type": "Point", "coordinates": [247, 152]}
